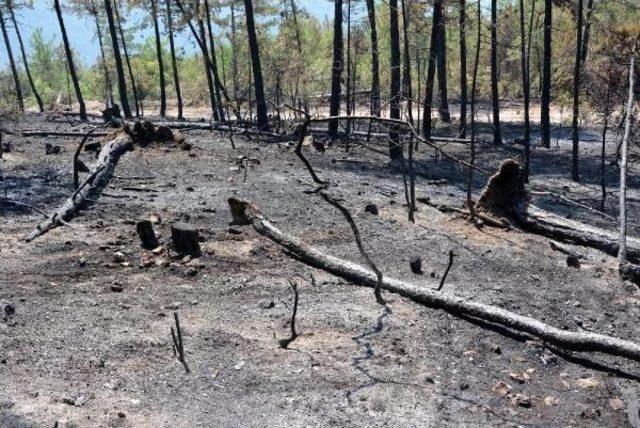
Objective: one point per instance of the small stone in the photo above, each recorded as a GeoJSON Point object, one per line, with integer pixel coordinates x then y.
{"type": "Point", "coordinates": [550, 401]}
{"type": "Point", "coordinates": [520, 377]}
{"type": "Point", "coordinates": [501, 389]}
{"type": "Point", "coordinates": [8, 309]}
{"type": "Point", "coordinates": [416, 265]}
{"type": "Point", "coordinates": [122, 415]}
{"type": "Point", "coordinates": [521, 400]}
{"type": "Point", "coordinates": [157, 251]}
{"type": "Point", "coordinates": [573, 261]}
{"type": "Point", "coordinates": [496, 349]}
{"type": "Point", "coordinates": [117, 287]}
{"type": "Point", "coordinates": [268, 305]}
{"type": "Point", "coordinates": [186, 146]}
{"type": "Point", "coordinates": [588, 383]}
{"type": "Point", "coordinates": [119, 257]}
{"type": "Point", "coordinates": [192, 271]}
{"type": "Point", "coordinates": [50, 149]}
{"type": "Point", "coordinates": [239, 365]}
{"type": "Point", "coordinates": [372, 209]}
{"type": "Point", "coordinates": [616, 404]}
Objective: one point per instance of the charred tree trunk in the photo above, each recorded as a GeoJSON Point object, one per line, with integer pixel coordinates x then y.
{"type": "Point", "coordinates": [474, 92]}
{"type": "Point", "coordinates": [495, 96]}
{"type": "Point", "coordinates": [25, 61]}
{"type": "Point", "coordinates": [72, 68]}
{"type": "Point", "coordinates": [261, 103]}
{"type": "Point", "coordinates": [624, 151]}
{"type": "Point", "coordinates": [584, 49]}
{"type": "Point", "coordinates": [174, 61]}
{"type": "Point", "coordinates": [122, 84]}
{"type": "Point", "coordinates": [577, 69]}
{"type": "Point", "coordinates": [462, 19]}
{"type": "Point", "coordinates": [546, 75]}
{"type": "Point", "coordinates": [375, 66]}
{"type": "Point", "coordinates": [524, 65]}
{"type": "Point", "coordinates": [395, 149]}
{"type": "Point", "coordinates": [443, 109]}
{"type": "Point", "coordinates": [12, 63]}
{"type": "Point", "coordinates": [214, 63]}
{"type": "Point", "coordinates": [431, 69]}
{"type": "Point", "coordinates": [134, 87]}
{"type": "Point", "coordinates": [407, 90]}
{"type": "Point", "coordinates": [156, 29]}
{"type": "Point", "coordinates": [105, 69]}
{"type": "Point", "coordinates": [336, 70]}
{"type": "Point", "coordinates": [207, 71]}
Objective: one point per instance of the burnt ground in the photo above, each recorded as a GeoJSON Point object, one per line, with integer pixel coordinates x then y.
{"type": "Point", "coordinates": [81, 353]}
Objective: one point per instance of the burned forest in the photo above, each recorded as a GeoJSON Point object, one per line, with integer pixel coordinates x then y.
{"type": "Point", "coordinates": [296, 213]}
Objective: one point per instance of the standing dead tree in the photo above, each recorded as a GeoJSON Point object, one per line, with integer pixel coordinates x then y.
{"type": "Point", "coordinates": [624, 152]}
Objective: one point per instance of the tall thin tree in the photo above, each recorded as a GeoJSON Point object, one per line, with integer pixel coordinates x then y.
{"type": "Point", "coordinates": [431, 69]}
{"type": "Point", "coordinates": [336, 70]}
{"type": "Point", "coordinates": [156, 29]}
{"type": "Point", "coordinates": [524, 65]}
{"type": "Point", "coordinates": [462, 20]}
{"type": "Point", "coordinates": [624, 152]}
{"type": "Point", "coordinates": [12, 62]}
{"type": "Point", "coordinates": [174, 60]}
{"type": "Point", "coordinates": [69, 55]}
{"type": "Point", "coordinates": [132, 79]}
{"type": "Point", "coordinates": [122, 84]}
{"type": "Point", "coordinates": [443, 108]}
{"type": "Point", "coordinates": [375, 63]}
{"type": "Point", "coordinates": [407, 90]}
{"type": "Point", "coordinates": [545, 100]}
{"type": "Point", "coordinates": [23, 52]}
{"type": "Point", "coordinates": [577, 69]}
{"type": "Point", "coordinates": [495, 96]}
{"type": "Point", "coordinates": [214, 62]}
{"type": "Point", "coordinates": [395, 149]}
{"type": "Point", "coordinates": [261, 103]}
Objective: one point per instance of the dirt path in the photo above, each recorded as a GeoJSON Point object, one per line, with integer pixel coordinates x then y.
{"type": "Point", "coordinates": [83, 353]}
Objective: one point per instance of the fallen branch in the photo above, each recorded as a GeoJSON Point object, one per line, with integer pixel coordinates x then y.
{"type": "Point", "coordinates": [455, 305]}
{"type": "Point", "coordinates": [91, 188]}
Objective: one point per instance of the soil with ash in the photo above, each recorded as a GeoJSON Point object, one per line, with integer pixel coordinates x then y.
{"type": "Point", "coordinates": [89, 343]}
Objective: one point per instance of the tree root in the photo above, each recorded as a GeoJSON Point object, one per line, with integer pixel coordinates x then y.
{"type": "Point", "coordinates": [457, 306]}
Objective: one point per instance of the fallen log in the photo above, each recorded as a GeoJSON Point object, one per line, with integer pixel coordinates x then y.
{"type": "Point", "coordinates": [138, 133]}
{"type": "Point", "coordinates": [455, 305]}
{"type": "Point", "coordinates": [53, 133]}
{"type": "Point", "coordinates": [91, 188]}
{"type": "Point", "coordinates": [505, 195]}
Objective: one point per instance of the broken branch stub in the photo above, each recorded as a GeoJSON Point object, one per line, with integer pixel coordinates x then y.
{"type": "Point", "coordinates": [455, 305]}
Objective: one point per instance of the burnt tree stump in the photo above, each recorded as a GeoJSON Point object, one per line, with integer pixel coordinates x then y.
{"type": "Point", "coordinates": [147, 234]}
{"type": "Point", "coordinates": [185, 239]}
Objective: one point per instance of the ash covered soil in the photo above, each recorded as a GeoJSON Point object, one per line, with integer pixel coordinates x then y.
{"type": "Point", "coordinates": [89, 343]}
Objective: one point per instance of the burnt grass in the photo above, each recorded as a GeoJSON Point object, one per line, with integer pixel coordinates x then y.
{"type": "Point", "coordinates": [89, 343]}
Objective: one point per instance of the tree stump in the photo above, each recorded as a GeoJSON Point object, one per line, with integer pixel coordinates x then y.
{"type": "Point", "coordinates": [185, 239]}
{"type": "Point", "coordinates": [147, 234]}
